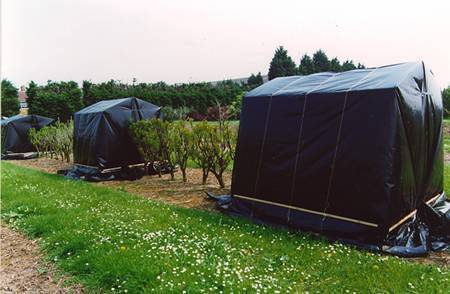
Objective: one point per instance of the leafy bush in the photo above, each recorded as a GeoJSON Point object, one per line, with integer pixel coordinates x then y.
{"type": "Point", "coordinates": [210, 145]}
{"type": "Point", "coordinates": [214, 146]}
{"type": "Point", "coordinates": [152, 140]}
{"type": "Point", "coordinates": [180, 137]}
{"type": "Point", "coordinates": [172, 114]}
{"type": "Point", "coordinates": [10, 101]}
{"type": "Point", "coordinates": [54, 141]}
{"type": "Point", "coordinates": [236, 106]}
{"type": "Point", "coordinates": [221, 143]}
{"type": "Point", "coordinates": [200, 134]}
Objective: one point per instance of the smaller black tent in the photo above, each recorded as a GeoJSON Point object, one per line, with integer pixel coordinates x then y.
{"type": "Point", "coordinates": [101, 137]}
{"type": "Point", "coordinates": [15, 132]}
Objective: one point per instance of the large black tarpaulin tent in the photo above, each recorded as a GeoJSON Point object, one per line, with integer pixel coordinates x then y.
{"type": "Point", "coordinates": [349, 154]}
{"type": "Point", "coordinates": [15, 132]}
{"type": "Point", "coordinates": [101, 138]}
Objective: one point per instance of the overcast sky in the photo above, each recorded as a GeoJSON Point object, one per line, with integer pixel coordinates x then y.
{"type": "Point", "coordinates": [188, 41]}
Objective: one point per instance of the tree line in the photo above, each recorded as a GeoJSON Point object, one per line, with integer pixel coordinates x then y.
{"type": "Point", "coordinates": [283, 65]}
{"type": "Point", "coordinates": [60, 100]}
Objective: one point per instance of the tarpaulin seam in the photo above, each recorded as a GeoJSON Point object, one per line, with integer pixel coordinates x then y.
{"type": "Point", "coordinates": [408, 145]}
{"type": "Point", "coordinates": [297, 155]}
{"type": "Point", "coordinates": [333, 163]}
{"type": "Point", "coordinates": [266, 125]}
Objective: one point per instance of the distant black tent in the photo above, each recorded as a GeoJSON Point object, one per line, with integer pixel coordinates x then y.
{"type": "Point", "coordinates": [101, 137]}
{"type": "Point", "coordinates": [349, 155]}
{"type": "Point", "coordinates": [15, 132]}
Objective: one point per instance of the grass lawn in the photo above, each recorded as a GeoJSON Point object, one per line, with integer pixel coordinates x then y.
{"type": "Point", "coordinates": [111, 240]}
{"type": "Point", "coordinates": [446, 136]}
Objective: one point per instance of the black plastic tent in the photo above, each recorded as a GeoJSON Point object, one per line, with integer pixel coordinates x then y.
{"type": "Point", "coordinates": [15, 132]}
{"type": "Point", "coordinates": [351, 155]}
{"type": "Point", "coordinates": [101, 138]}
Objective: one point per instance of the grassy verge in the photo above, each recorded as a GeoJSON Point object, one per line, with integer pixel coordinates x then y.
{"type": "Point", "coordinates": [446, 136]}
{"type": "Point", "coordinates": [108, 239]}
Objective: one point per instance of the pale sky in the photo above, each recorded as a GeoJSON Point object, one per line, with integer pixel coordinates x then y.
{"type": "Point", "coordinates": [189, 41]}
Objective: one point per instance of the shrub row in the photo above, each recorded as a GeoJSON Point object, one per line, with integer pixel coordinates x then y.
{"type": "Point", "coordinates": [210, 146]}
{"type": "Point", "coordinates": [160, 142]}
{"type": "Point", "coordinates": [55, 141]}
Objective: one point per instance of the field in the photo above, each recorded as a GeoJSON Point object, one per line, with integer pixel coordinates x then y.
{"type": "Point", "coordinates": [111, 239]}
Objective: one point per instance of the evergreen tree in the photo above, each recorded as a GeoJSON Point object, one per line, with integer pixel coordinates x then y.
{"type": "Point", "coordinates": [57, 100]}
{"type": "Point", "coordinates": [360, 66]}
{"type": "Point", "coordinates": [255, 81]}
{"type": "Point", "coordinates": [31, 91]}
{"type": "Point", "coordinates": [281, 65]}
{"type": "Point", "coordinates": [335, 65]}
{"type": "Point", "coordinates": [10, 100]}
{"type": "Point", "coordinates": [446, 101]}
{"type": "Point", "coordinates": [320, 61]}
{"type": "Point", "coordinates": [348, 65]}
{"type": "Point", "coordinates": [306, 66]}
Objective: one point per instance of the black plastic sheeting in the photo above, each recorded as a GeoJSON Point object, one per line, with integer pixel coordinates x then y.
{"type": "Point", "coordinates": [101, 137]}
{"type": "Point", "coordinates": [348, 155]}
{"type": "Point", "coordinates": [15, 132]}
{"type": "Point", "coordinates": [92, 174]}
{"type": "Point", "coordinates": [128, 173]}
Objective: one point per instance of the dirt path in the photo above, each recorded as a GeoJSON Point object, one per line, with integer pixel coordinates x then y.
{"type": "Point", "coordinates": [23, 269]}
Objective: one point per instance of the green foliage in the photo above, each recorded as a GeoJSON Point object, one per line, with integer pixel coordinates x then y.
{"type": "Point", "coordinates": [55, 140]}
{"type": "Point", "coordinates": [31, 92]}
{"type": "Point", "coordinates": [335, 65]}
{"type": "Point", "coordinates": [209, 145]}
{"type": "Point", "coordinates": [281, 65]}
{"type": "Point", "coordinates": [255, 81]}
{"type": "Point", "coordinates": [56, 100]}
{"type": "Point", "coordinates": [169, 113]}
{"type": "Point", "coordinates": [200, 134]}
{"type": "Point", "coordinates": [180, 143]}
{"type": "Point", "coordinates": [306, 66]}
{"type": "Point", "coordinates": [446, 101]}
{"type": "Point", "coordinates": [221, 143]}
{"type": "Point", "coordinates": [110, 240]}
{"type": "Point", "coordinates": [198, 96]}
{"type": "Point", "coordinates": [348, 65]}
{"type": "Point", "coordinates": [214, 146]}
{"type": "Point", "coordinates": [236, 106]}
{"type": "Point", "coordinates": [10, 101]}
{"type": "Point", "coordinates": [152, 140]}
{"type": "Point", "coordinates": [320, 61]}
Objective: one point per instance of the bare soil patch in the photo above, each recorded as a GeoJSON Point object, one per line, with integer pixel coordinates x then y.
{"type": "Point", "coordinates": [23, 269]}
{"type": "Point", "coordinates": [191, 194]}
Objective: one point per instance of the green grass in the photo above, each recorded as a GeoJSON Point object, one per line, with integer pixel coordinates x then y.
{"type": "Point", "coordinates": [446, 136]}
{"type": "Point", "coordinates": [108, 239]}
